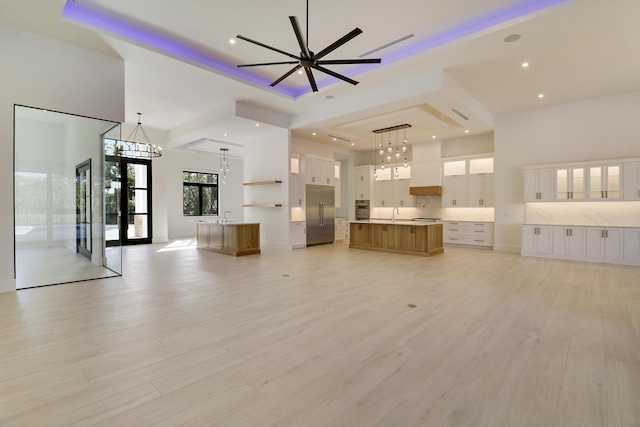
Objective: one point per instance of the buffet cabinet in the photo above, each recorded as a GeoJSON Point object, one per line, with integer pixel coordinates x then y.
{"type": "Point", "coordinates": [230, 239]}
{"type": "Point", "coordinates": [616, 245]}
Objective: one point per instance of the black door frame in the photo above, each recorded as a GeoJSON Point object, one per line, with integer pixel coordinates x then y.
{"type": "Point", "coordinates": [124, 201]}
{"type": "Point", "coordinates": [83, 219]}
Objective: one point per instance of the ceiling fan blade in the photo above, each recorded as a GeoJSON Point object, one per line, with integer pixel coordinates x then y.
{"type": "Point", "coordinates": [298, 30]}
{"type": "Point", "coordinates": [334, 74]}
{"type": "Point", "coordinates": [350, 61]}
{"type": "Point", "coordinates": [287, 74]}
{"type": "Point", "coordinates": [268, 47]}
{"type": "Point", "coordinates": [333, 46]}
{"type": "Point", "coordinates": [268, 63]}
{"type": "Point", "coordinates": [312, 81]}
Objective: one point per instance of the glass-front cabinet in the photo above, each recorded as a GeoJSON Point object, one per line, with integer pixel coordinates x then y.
{"type": "Point", "coordinates": [604, 182]}
{"type": "Point", "coordinates": [570, 183]}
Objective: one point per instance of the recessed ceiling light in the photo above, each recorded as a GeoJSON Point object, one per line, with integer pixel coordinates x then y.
{"type": "Point", "coordinates": [433, 136]}
{"type": "Point", "coordinates": [541, 95]}
{"type": "Point", "coordinates": [512, 38]}
{"type": "Point", "coordinates": [226, 134]}
{"type": "Point", "coordinates": [466, 131]}
{"type": "Point", "coordinates": [232, 41]}
{"type": "Point", "coordinates": [314, 134]}
{"type": "Point", "coordinates": [525, 64]}
{"type": "Point", "coordinates": [299, 71]}
{"type": "Point", "coordinates": [257, 124]}
{"type": "Point", "coordinates": [353, 143]}
{"type": "Point", "coordinates": [334, 139]}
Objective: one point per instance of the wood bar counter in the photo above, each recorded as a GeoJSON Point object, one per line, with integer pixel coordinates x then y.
{"type": "Point", "coordinates": [229, 238]}
{"type": "Point", "coordinates": [403, 237]}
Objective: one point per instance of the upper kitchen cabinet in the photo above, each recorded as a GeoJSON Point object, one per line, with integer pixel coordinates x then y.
{"type": "Point", "coordinates": [318, 171]}
{"type": "Point", "coordinates": [631, 183]}
{"type": "Point", "coordinates": [570, 183]}
{"type": "Point", "coordinates": [295, 182]}
{"type": "Point", "coordinates": [383, 188]}
{"type": "Point", "coordinates": [604, 182]}
{"type": "Point", "coordinates": [363, 182]}
{"type": "Point", "coordinates": [468, 182]}
{"type": "Point", "coordinates": [538, 184]}
{"type": "Point", "coordinates": [480, 182]}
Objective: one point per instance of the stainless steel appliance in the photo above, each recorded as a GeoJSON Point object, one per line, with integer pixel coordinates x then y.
{"type": "Point", "coordinates": [320, 215]}
{"type": "Point", "coordinates": [362, 210]}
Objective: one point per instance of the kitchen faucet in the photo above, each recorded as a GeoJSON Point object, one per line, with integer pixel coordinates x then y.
{"type": "Point", "coordinates": [393, 214]}
{"type": "Point", "coordinates": [224, 215]}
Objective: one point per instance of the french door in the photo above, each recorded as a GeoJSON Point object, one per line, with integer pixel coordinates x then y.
{"type": "Point", "coordinates": [130, 182]}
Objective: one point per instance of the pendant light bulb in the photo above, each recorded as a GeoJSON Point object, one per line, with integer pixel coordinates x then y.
{"type": "Point", "coordinates": [397, 153]}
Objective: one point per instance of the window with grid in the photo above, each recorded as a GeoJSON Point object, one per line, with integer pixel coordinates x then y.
{"type": "Point", "coordinates": [199, 193]}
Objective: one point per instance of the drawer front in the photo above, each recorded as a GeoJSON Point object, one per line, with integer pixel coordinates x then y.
{"type": "Point", "coordinates": [454, 230]}
{"type": "Point", "coordinates": [480, 225]}
{"type": "Point", "coordinates": [479, 240]}
{"type": "Point", "coordinates": [454, 223]}
{"type": "Point", "coordinates": [479, 231]}
{"type": "Point", "coordinates": [460, 240]}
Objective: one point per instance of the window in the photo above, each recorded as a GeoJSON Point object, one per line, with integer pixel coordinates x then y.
{"type": "Point", "coordinates": [199, 193]}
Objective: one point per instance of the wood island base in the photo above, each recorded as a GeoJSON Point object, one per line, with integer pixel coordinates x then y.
{"type": "Point", "coordinates": [235, 239]}
{"type": "Point", "coordinates": [409, 239]}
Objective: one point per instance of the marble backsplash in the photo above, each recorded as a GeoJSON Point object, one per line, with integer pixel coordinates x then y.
{"type": "Point", "coordinates": [622, 214]}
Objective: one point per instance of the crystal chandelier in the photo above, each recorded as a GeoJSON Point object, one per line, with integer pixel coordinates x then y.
{"type": "Point", "coordinates": [224, 164]}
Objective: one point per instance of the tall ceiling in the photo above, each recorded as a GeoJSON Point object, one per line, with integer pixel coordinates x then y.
{"type": "Point", "coordinates": [446, 68]}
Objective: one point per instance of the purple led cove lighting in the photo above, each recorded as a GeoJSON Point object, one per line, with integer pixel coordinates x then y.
{"type": "Point", "coordinates": [175, 46]}
{"type": "Point", "coordinates": [164, 42]}
{"type": "Point", "coordinates": [482, 23]}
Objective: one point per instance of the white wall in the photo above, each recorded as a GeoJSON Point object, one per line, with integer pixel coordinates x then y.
{"type": "Point", "coordinates": [266, 159]}
{"type": "Point", "coordinates": [45, 73]}
{"type": "Point", "coordinates": [169, 191]}
{"type": "Point", "coordinates": [599, 128]}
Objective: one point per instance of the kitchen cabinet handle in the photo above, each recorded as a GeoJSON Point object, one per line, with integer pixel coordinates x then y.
{"type": "Point", "coordinates": [606, 233]}
{"type": "Point", "coordinates": [606, 194]}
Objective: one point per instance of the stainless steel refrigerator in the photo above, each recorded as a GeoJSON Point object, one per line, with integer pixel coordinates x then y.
{"type": "Point", "coordinates": [320, 215]}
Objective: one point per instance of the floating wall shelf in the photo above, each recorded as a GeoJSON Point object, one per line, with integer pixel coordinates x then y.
{"type": "Point", "coordinates": [263, 182]}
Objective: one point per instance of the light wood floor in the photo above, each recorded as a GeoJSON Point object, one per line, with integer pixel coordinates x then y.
{"type": "Point", "coordinates": [325, 336]}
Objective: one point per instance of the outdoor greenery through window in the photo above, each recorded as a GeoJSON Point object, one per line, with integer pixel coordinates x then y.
{"type": "Point", "coordinates": [199, 193]}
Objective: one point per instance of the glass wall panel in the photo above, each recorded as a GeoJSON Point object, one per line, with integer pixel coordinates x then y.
{"type": "Point", "coordinates": [59, 203]}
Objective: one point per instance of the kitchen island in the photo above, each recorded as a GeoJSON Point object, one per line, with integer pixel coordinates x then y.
{"type": "Point", "coordinates": [233, 238]}
{"type": "Point", "coordinates": [402, 237]}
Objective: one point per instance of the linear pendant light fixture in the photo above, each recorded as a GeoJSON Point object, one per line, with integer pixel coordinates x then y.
{"type": "Point", "coordinates": [390, 148]}
{"type": "Point", "coordinates": [224, 164]}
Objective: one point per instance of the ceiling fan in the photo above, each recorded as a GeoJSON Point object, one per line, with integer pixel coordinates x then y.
{"type": "Point", "coordinates": [309, 60]}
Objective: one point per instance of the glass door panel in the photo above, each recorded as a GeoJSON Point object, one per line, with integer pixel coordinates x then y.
{"type": "Point", "coordinates": [138, 201]}
{"type": "Point", "coordinates": [577, 183]}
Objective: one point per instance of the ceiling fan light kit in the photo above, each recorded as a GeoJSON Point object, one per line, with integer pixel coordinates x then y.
{"type": "Point", "coordinates": [308, 60]}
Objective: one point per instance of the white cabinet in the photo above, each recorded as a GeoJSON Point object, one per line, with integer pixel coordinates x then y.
{"type": "Point", "coordinates": [538, 185]}
{"type": "Point", "coordinates": [318, 171]}
{"type": "Point", "coordinates": [391, 187]}
{"type": "Point", "coordinates": [536, 239]}
{"type": "Point", "coordinates": [467, 182]}
{"type": "Point", "coordinates": [605, 243]}
{"type": "Point", "coordinates": [569, 241]}
{"type": "Point", "coordinates": [605, 182]}
{"type": "Point", "coordinates": [383, 192]}
{"type": "Point", "coordinates": [363, 182]}
{"type": "Point", "coordinates": [631, 181]}
{"type": "Point", "coordinates": [480, 190]}
{"type": "Point", "coordinates": [401, 196]}
{"type": "Point", "coordinates": [295, 183]}
{"type": "Point", "coordinates": [570, 183]}
{"type": "Point", "coordinates": [632, 246]}
{"type": "Point", "coordinates": [468, 233]}
{"type": "Point", "coordinates": [454, 191]}
{"type": "Point", "coordinates": [298, 234]}
{"type": "Point", "coordinates": [341, 229]}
